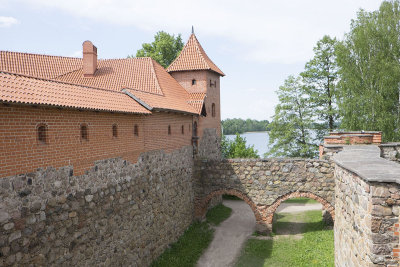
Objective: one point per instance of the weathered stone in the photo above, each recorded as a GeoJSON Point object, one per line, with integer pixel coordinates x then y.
{"type": "Point", "coordinates": [89, 198]}
{"type": "Point", "coordinates": [14, 236]}
{"type": "Point", "coordinates": [8, 226]}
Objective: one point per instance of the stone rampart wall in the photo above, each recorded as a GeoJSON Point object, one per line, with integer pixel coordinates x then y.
{"type": "Point", "coordinates": [117, 214]}
{"type": "Point", "coordinates": [264, 183]}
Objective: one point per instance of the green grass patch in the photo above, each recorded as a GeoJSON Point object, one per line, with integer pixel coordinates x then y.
{"type": "Point", "coordinates": [218, 214]}
{"type": "Point", "coordinates": [191, 245]}
{"type": "Point", "coordinates": [300, 200]}
{"type": "Point", "coordinates": [230, 197]}
{"type": "Point", "coordinates": [316, 248]}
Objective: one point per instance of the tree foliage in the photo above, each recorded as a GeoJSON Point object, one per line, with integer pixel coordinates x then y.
{"type": "Point", "coordinates": [320, 78]}
{"type": "Point", "coordinates": [164, 49]}
{"type": "Point", "coordinates": [369, 62]}
{"type": "Point", "coordinates": [237, 148]}
{"type": "Point", "coordinates": [290, 133]}
{"type": "Point", "coordinates": [233, 126]}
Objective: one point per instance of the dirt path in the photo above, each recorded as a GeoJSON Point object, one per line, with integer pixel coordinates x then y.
{"type": "Point", "coordinates": [230, 235]}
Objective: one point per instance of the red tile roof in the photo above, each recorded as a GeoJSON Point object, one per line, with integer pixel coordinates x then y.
{"type": "Point", "coordinates": [27, 90]}
{"type": "Point", "coordinates": [193, 57]}
{"type": "Point", "coordinates": [143, 77]}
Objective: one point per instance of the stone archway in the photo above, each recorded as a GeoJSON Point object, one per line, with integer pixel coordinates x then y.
{"type": "Point", "coordinates": [202, 206]}
{"type": "Point", "coordinates": [272, 208]}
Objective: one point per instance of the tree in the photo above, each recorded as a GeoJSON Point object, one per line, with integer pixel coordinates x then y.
{"type": "Point", "coordinates": [320, 77]}
{"type": "Point", "coordinates": [233, 126]}
{"type": "Point", "coordinates": [290, 133]}
{"type": "Point", "coordinates": [237, 148]}
{"type": "Point", "coordinates": [369, 68]}
{"type": "Point", "coordinates": [164, 49]}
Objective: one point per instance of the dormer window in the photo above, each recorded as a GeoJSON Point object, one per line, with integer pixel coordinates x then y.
{"type": "Point", "coordinates": [193, 82]}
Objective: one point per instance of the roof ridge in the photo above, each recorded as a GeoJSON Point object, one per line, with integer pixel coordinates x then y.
{"type": "Point", "coordinates": [36, 54]}
{"type": "Point", "coordinates": [153, 71]}
{"type": "Point", "coordinates": [66, 73]}
{"type": "Point", "coordinates": [60, 82]}
{"type": "Point", "coordinates": [200, 52]}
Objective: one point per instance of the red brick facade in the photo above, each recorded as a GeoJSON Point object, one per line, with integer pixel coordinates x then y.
{"type": "Point", "coordinates": [22, 152]}
{"type": "Point", "coordinates": [204, 82]}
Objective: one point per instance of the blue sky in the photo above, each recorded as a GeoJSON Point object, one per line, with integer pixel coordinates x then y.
{"type": "Point", "coordinates": [257, 44]}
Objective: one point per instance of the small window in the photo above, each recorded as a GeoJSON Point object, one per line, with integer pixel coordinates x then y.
{"type": "Point", "coordinates": [42, 134]}
{"type": "Point", "coordinates": [84, 132]}
{"type": "Point", "coordinates": [136, 130]}
{"type": "Point", "coordinates": [115, 130]}
{"type": "Point", "coordinates": [169, 129]}
{"type": "Point", "coordinates": [193, 82]}
{"type": "Point", "coordinates": [213, 110]}
{"type": "Point", "coordinates": [195, 128]}
{"type": "Point", "coordinates": [183, 129]}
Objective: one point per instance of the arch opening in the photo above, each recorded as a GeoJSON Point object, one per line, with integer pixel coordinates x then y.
{"type": "Point", "coordinates": [201, 210]}
{"type": "Point", "coordinates": [326, 206]}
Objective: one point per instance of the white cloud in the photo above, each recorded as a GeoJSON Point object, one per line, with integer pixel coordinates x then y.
{"type": "Point", "coordinates": [268, 31]}
{"type": "Point", "coordinates": [6, 22]}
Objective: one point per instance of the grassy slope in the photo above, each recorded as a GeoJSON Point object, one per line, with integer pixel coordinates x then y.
{"type": "Point", "coordinates": [316, 248]}
{"type": "Point", "coordinates": [301, 200]}
{"type": "Point", "coordinates": [191, 245]}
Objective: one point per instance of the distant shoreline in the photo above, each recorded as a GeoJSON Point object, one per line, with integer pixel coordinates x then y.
{"type": "Point", "coordinates": [252, 132]}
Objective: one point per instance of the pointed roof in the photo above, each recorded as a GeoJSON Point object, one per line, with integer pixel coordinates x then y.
{"type": "Point", "coordinates": [193, 57]}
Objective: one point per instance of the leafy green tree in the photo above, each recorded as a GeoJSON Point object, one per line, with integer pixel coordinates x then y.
{"type": "Point", "coordinates": [369, 68]}
{"type": "Point", "coordinates": [237, 148]}
{"type": "Point", "coordinates": [233, 126]}
{"type": "Point", "coordinates": [290, 133]}
{"type": "Point", "coordinates": [164, 49]}
{"type": "Point", "coordinates": [320, 78]}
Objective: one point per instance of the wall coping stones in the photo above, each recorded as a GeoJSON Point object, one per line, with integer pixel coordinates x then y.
{"type": "Point", "coordinates": [390, 144]}
{"type": "Point", "coordinates": [365, 161]}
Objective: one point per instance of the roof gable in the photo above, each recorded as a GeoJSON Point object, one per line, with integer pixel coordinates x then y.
{"type": "Point", "coordinates": [193, 57]}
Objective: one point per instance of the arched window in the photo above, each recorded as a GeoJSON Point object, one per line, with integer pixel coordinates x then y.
{"type": "Point", "coordinates": [115, 130]}
{"type": "Point", "coordinates": [195, 128]}
{"type": "Point", "coordinates": [84, 132]}
{"type": "Point", "coordinates": [183, 130]}
{"type": "Point", "coordinates": [213, 110]}
{"type": "Point", "coordinates": [42, 133]}
{"type": "Point", "coordinates": [193, 82]}
{"type": "Point", "coordinates": [169, 129]}
{"type": "Point", "coordinates": [136, 130]}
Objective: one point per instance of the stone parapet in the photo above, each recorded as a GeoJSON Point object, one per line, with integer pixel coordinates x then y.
{"type": "Point", "coordinates": [367, 204]}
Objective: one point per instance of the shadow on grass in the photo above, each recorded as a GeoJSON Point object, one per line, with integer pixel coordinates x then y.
{"type": "Point", "coordinates": [316, 248]}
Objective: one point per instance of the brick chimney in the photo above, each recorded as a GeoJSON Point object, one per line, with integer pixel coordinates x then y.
{"type": "Point", "coordinates": [89, 59]}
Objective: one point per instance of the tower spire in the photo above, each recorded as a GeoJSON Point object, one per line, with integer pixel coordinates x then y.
{"type": "Point", "coordinates": [192, 30]}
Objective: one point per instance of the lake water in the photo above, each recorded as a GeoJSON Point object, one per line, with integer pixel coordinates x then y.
{"type": "Point", "coordinates": [258, 139]}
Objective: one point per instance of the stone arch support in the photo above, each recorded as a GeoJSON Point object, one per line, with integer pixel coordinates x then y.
{"type": "Point", "coordinates": [270, 211]}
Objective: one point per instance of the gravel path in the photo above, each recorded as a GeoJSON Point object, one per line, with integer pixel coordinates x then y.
{"type": "Point", "coordinates": [230, 235]}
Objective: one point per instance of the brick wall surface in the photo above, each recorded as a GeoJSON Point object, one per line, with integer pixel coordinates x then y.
{"type": "Point", "coordinates": [21, 152]}
{"type": "Point", "coordinates": [206, 82]}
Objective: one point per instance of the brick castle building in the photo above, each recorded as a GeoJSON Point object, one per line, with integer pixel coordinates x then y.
{"type": "Point", "coordinates": [61, 111]}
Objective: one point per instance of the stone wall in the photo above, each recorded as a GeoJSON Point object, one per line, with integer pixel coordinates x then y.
{"type": "Point", "coordinates": [390, 151]}
{"type": "Point", "coordinates": [117, 214]}
{"type": "Point", "coordinates": [367, 204]}
{"type": "Point", "coordinates": [264, 183]}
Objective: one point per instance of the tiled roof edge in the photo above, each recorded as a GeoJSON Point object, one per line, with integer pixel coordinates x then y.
{"type": "Point", "coordinates": [137, 99]}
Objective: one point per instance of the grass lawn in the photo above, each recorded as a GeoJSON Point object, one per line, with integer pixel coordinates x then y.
{"type": "Point", "coordinates": [300, 200]}
{"type": "Point", "coordinates": [316, 248]}
{"type": "Point", "coordinates": [191, 245]}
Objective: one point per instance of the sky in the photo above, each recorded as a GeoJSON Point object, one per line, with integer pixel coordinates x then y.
{"type": "Point", "coordinates": [256, 43]}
